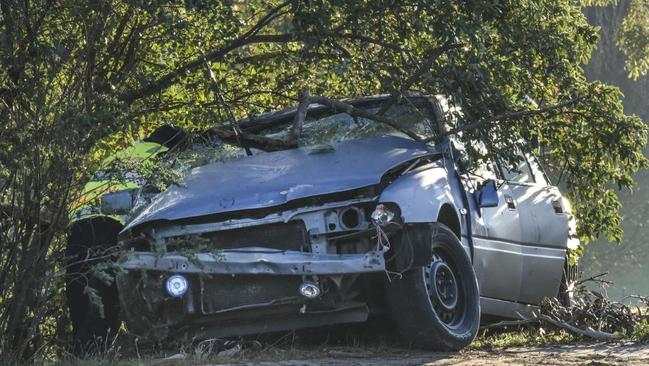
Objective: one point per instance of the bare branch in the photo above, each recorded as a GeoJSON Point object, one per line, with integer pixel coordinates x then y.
{"type": "Point", "coordinates": [298, 120]}
{"type": "Point", "coordinates": [596, 278]}
{"type": "Point", "coordinates": [250, 140]}
{"type": "Point", "coordinates": [219, 97]}
{"type": "Point", "coordinates": [594, 334]}
{"type": "Point", "coordinates": [590, 333]}
{"type": "Point", "coordinates": [357, 112]}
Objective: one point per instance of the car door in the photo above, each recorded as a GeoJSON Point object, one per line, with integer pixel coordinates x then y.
{"type": "Point", "coordinates": [537, 257]}
{"type": "Point", "coordinates": [493, 229]}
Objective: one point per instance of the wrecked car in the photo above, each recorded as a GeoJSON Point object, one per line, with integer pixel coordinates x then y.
{"type": "Point", "coordinates": [361, 217]}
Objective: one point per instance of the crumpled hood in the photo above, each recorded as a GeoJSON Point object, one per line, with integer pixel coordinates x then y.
{"type": "Point", "coordinates": [272, 179]}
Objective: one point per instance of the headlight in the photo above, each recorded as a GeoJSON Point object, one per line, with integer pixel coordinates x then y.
{"type": "Point", "coordinates": [119, 202]}
{"type": "Point", "coordinates": [177, 286]}
{"type": "Point", "coordinates": [382, 215]}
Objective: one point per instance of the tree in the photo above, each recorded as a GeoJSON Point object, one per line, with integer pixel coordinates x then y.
{"type": "Point", "coordinates": [607, 64]}
{"type": "Point", "coordinates": [632, 36]}
{"type": "Point", "coordinates": [80, 78]}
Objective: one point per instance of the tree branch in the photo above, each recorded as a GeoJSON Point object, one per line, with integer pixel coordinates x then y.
{"type": "Point", "coordinates": [428, 63]}
{"type": "Point", "coordinates": [594, 334]}
{"type": "Point", "coordinates": [250, 140]}
{"type": "Point", "coordinates": [298, 120]}
{"type": "Point", "coordinates": [357, 37]}
{"type": "Point", "coordinates": [357, 112]}
{"type": "Point", "coordinates": [172, 77]}
{"type": "Point", "coordinates": [510, 115]}
{"type": "Point", "coordinates": [249, 37]}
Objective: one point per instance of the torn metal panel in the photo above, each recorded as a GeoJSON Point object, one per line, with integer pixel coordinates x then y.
{"type": "Point", "coordinates": [272, 179]}
{"type": "Point", "coordinates": [258, 260]}
{"type": "Point", "coordinates": [313, 217]}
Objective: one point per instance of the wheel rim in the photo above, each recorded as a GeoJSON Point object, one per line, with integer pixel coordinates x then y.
{"type": "Point", "coordinates": [445, 289]}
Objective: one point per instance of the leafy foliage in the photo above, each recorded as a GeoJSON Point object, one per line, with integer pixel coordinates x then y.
{"type": "Point", "coordinates": [633, 35]}
{"type": "Point", "coordinates": [634, 38]}
{"type": "Point", "coordinates": [641, 331]}
{"type": "Point", "coordinates": [79, 79]}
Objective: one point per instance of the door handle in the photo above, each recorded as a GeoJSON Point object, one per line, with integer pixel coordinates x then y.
{"type": "Point", "coordinates": [510, 202]}
{"type": "Point", "coordinates": [557, 206]}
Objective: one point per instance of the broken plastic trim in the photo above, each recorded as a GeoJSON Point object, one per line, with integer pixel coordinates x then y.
{"type": "Point", "coordinates": [258, 260]}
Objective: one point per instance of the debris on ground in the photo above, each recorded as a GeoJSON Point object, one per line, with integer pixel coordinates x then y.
{"type": "Point", "coordinates": [590, 314]}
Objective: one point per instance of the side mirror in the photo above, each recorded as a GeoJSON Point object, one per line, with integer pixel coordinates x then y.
{"type": "Point", "coordinates": [486, 195]}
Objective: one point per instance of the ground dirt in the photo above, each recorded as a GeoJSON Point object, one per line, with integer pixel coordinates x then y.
{"type": "Point", "coordinates": [574, 354]}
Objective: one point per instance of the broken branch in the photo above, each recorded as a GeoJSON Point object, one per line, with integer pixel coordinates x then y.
{"type": "Point", "coordinates": [250, 140]}
{"type": "Point", "coordinates": [590, 333]}
{"type": "Point", "coordinates": [594, 334]}
{"type": "Point", "coordinates": [357, 112]}
{"type": "Point", "coordinates": [298, 120]}
{"type": "Point", "coordinates": [596, 278]}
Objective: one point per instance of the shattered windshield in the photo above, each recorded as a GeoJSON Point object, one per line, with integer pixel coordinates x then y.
{"type": "Point", "coordinates": [323, 129]}
{"type": "Point", "coordinates": [339, 127]}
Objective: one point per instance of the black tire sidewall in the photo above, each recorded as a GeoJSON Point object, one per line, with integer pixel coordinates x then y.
{"type": "Point", "coordinates": [411, 308]}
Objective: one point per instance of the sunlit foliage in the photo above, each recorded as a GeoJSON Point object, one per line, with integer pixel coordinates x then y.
{"type": "Point", "coordinates": [79, 79]}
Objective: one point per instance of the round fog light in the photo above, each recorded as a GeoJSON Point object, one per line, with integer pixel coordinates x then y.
{"type": "Point", "coordinates": [310, 290]}
{"type": "Point", "coordinates": [177, 286]}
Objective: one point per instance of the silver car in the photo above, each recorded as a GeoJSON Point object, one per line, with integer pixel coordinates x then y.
{"type": "Point", "coordinates": [360, 220]}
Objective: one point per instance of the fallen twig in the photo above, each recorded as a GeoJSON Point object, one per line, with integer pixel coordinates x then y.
{"type": "Point", "coordinates": [595, 278]}
{"type": "Point", "coordinates": [594, 334]}
{"type": "Point", "coordinates": [590, 333]}
{"type": "Point", "coordinates": [510, 323]}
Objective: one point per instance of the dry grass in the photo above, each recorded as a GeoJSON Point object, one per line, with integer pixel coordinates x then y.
{"type": "Point", "coordinates": [356, 342]}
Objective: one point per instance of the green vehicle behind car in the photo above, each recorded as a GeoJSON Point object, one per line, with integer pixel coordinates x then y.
{"type": "Point", "coordinates": [95, 220]}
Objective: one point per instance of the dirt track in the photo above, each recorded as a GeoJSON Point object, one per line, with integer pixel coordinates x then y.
{"type": "Point", "coordinates": [590, 354]}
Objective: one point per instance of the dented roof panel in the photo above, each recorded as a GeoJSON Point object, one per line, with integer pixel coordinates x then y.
{"type": "Point", "coordinates": [272, 179]}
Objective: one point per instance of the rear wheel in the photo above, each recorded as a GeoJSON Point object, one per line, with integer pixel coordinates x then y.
{"type": "Point", "coordinates": [437, 306]}
{"type": "Point", "coordinates": [93, 304]}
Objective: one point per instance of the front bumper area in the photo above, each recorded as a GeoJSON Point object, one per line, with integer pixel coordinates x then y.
{"type": "Point", "coordinates": [241, 291]}
{"type": "Point", "coordinates": [258, 260]}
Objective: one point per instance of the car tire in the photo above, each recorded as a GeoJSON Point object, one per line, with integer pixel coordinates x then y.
{"type": "Point", "coordinates": [90, 327]}
{"type": "Point", "coordinates": [445, 317]}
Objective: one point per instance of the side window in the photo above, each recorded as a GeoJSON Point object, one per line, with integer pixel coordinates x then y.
{"type": "Point", "coordinates": [480, 169]}
{"type": "Point", "coordinates": [485, 170]}
{"type": "Point", "coordinates": [520, 173]}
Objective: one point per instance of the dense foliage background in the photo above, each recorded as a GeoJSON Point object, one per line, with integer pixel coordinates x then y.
{"type": "Point", "coordinates": [626, 263]}
{"type": "Point", "coordinates": [79, 79]}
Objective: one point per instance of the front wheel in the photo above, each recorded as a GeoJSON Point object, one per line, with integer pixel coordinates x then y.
{"type": "Point", "coordinates": [437, 306]}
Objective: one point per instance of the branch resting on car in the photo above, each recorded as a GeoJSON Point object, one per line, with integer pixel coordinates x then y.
{"type": "Point", "coordinates": [271, 144]}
